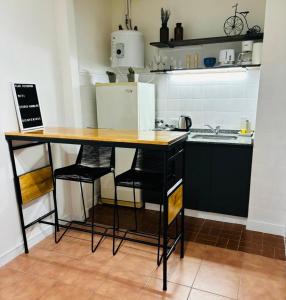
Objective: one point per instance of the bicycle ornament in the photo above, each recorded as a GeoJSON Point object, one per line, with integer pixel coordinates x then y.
{"type": "Point", "coordinates": [234, 25]}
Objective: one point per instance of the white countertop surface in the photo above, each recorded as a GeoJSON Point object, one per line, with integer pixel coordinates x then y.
{"type": "Point", "coordinates": [241, 140]}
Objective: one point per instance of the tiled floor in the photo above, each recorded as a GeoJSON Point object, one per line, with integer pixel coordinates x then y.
{"type": "Point", "coordinates": [220, 234]}
{"type": "Point", "coordinates": [70, 271]}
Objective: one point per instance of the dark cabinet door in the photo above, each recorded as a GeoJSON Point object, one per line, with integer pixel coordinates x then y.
{"type": "Point", "coordinates": [198, 174]}
{"type": "Point", "coordinates": [231, 171]}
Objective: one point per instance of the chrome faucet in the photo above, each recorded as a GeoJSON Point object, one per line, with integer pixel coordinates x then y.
{"type": "Point", "coordinates": [214, 130]}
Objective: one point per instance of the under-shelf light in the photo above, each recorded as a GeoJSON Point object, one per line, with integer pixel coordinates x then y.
{"type": "Point", "coordinates": [226, 74]}
{"type": "Point", "coordinates": [208, 70]}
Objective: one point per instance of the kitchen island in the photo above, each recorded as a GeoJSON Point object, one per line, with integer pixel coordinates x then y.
{"type": "Point", "coordinates": [170, 143]}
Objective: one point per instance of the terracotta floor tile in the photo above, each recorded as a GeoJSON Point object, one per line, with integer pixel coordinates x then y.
{"type": "Point", "coordinates": [264, 265]}
{"type": "Point", "coordinates": [233, 245]}
{"type": "Point", "coordinates": [180, 271]}
{"type": "Point", "coordinates": [201, 295]}
{"type": "Point", "coordinates": [26, 287]}
{"type": "Point", "coordinates": [62, 291]}
{"type": "Point", "coordinates": [221, 242]}
{"type": "Point", "coordinates": [234, 227]}
{"type": "Point", "coordinates": [47, 244]}
{"type": "Point", "coordinates": [76, 248]}
{"type": "Point", "coordinates": [279, 253]}
{"type": "Point", "coordinates": [21, 263]}
{"type": "Point", "coordinates": [135, 262]}
{"type": "Point", "coordinates": [218, 279]}
{"type": "Point", "coordinates": [268, 252]}
{"type": "Point", "coordinates": [257, 251]}
{"type": "Point", "coordinates": [124, 286]}
{"type": "Point", "coordinates": [49, 264]}
{"type": "Point", "coordinates": [79, 235]}
{"type": "Point", "coordinates": [140, 249]}
{"type": "Point", "coordinates": [153, 290]}
{"type": "Point", "coordinates": [224, 257]}
{"type": "Point", "coordinates": [9, 277]}
{"type": "Point", "coordinates": [256, 286]}
{"type": "Point", "coordinates": [97, 296]}
{"type": "Point", "coordinates": [195, 250]}
{"type": "Point", "coordinates": [82, 275]}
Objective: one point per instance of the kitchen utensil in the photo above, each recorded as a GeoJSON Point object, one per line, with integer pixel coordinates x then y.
{"type": "Point", "coordinates": [209, 62]}
{"type": "Point", "coordinates": [257, 53]}
{"type": "Point", "coordinates": [185, 122]}
{"type": "Point", "coordinates": [227, 57]}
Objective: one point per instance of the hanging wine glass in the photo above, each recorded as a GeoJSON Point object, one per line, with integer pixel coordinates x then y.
{"type": "Point", "coordinates": [164, 62]}
{"type": "Point", "coordinates": [158, 61]}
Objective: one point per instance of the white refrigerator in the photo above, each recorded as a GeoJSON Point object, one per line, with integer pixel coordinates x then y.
{"type": "Point", "coordinates": [124, 105]}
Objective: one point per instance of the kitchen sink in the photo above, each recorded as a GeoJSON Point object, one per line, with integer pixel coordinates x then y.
{"type": "Point", "coordinates": [214, 137]}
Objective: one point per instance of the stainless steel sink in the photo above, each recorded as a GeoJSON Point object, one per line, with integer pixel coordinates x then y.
{"type": "Point", "coordinates": [214, 137]}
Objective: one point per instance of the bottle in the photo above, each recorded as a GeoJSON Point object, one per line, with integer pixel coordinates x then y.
{"type": "Point", "coordinates": [179, 32]}
{"type": "Point", "coordinates": [164, 33]}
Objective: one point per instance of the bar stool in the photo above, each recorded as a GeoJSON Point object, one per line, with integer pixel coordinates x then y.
{"type": "Point", "coordinates": [146, 173]}
{"type": "Point", "coordinates": [92, 162]}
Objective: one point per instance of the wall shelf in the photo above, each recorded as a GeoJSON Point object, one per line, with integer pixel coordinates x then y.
{"type": "Point", "coordinates": [204, 41]}
{"type": "Point", "coordinates": [214, 69]}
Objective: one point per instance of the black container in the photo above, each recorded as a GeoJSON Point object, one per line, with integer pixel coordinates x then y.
{"type": "Point", "coordinates": [179, 32]}
{"type": "Point", "coordinates": [164, 34]}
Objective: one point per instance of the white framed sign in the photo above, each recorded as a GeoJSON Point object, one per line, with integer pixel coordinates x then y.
{"type": "Point", "coordinates": [27, 106]}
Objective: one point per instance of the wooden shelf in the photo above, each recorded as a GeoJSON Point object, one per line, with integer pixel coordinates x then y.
{"type": "Point", "coordinates": [206, 69]}
{"type": "Point", "coordinates": [204, 41]}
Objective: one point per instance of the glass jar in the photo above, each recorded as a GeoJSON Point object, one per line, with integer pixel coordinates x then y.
{"type": "Point", "coordinates": [179, 32]}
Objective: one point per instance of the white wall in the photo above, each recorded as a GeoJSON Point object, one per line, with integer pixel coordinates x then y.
{"type": "Point", "coordinates": [212, 98]}
{"type": "Point", "coordinates": [200, 19]}
{"type": "Point", "coordinates": [29, 53]}
{"type": "Point", "coordinates": [93, 28]}
{"type": "Point", "coordinates": [268, 194]}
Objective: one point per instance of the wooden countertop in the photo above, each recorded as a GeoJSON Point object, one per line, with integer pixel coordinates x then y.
{"type": "Point", "coordinates": [163, 138]}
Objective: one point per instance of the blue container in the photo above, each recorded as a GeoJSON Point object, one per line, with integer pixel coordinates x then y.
{"type": "Point", "coordinates": [209, 62]}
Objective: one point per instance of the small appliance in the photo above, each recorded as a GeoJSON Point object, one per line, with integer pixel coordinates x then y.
{"type": "Point", "coordinates": [247, 46]}
{"type": "Point", "coordinates": [245, 57]}
{"type": "Point", "coordinates": [257, 53]}
{"type": "Point", "coordinates": [227, 57]}
{"type": "Point", "coordinates": [185, 123]}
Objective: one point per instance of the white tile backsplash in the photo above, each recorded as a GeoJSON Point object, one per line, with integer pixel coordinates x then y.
{"type": "Point", "coordinates": [215, 98]}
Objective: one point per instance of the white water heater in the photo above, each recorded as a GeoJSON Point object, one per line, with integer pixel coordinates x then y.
{"type": "Point", "coordinates": [127, 49]}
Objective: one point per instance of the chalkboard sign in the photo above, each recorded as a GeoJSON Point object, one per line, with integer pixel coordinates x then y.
{"type": "Point", "coordinates": [27, 106]}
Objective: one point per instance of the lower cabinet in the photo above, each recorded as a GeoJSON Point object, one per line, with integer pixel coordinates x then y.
{"type": "Point", "coordinates": [217, 178]}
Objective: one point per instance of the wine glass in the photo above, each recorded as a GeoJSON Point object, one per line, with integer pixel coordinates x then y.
{"type": "Point", "coordinates": [164, 62]}
{"type": "Point", "coordinates": [173, 64]}
{"type": "Point", "coordinates": [158, 61]}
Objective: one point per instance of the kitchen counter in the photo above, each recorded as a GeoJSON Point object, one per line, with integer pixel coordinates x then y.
{"type": "Point", "coordinates": [241, 140]}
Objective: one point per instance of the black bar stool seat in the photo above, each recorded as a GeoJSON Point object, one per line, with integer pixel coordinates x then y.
{"type": "Point", "coordinates": [140, 180]}
{"type": "Point", "coordinates": [93, 162]}
{"type": "Point", "coordinates": [81, 173]}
